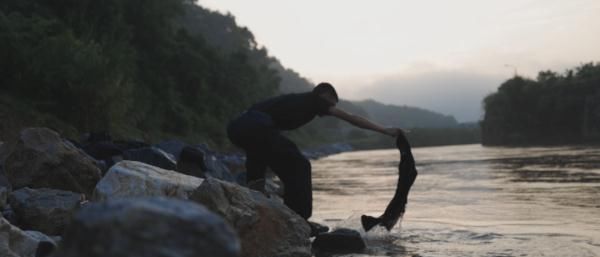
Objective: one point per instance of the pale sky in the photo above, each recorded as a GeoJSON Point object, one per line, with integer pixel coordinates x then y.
{"type": "Point", "coordinates": [443, 55]}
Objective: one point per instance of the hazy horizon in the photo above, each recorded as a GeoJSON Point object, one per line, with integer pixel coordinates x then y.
{"type": "Point", "coordinates": [438, 55]}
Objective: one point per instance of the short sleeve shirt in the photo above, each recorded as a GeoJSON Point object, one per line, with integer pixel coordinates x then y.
{"type": "Point", "coordinates": [291, 111]}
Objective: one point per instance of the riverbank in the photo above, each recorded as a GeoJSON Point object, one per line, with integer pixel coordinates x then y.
{"type": "Point", "coordinates": [103, 197]}
{"type": "Point", "coordinates": [98, 196]}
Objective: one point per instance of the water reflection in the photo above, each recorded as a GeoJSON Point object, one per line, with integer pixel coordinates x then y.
{"type": "Point", "coordinates": [471, 200]}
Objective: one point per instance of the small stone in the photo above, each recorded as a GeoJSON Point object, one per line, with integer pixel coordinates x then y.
{"type": "Point", "coordinates": [191, 162]}
{"type": "Point", "coordinates": [3, 197]}
{"type": "Point", "coordinates": [341, 240]}
{"type": "Point", "coordinates": [152, 156]}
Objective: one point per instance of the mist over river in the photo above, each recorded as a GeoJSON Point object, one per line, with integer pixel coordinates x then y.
{"type": "Point", "coordinates": [469, 200]}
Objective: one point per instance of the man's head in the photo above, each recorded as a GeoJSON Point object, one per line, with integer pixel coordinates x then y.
{"type": "Point", "coordinates": [326, 91]}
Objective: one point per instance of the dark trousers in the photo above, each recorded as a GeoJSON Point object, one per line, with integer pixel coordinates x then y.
{"type": "Point", "coordinates": [256, 134]}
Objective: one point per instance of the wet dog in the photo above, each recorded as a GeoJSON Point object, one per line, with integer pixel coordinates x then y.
{"type": "Point", "coordinates": [407, 173]}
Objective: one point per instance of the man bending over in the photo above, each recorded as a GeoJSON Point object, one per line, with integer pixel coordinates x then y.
{"type": "Point", "coordinates": [257, 132]}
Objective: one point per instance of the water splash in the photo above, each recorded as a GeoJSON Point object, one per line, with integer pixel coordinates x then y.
{"type": "Point", "coordinates": [379, 241]}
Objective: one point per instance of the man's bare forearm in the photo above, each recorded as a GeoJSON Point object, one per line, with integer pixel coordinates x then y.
{"type": "Point", "coordinates": [364, 123]}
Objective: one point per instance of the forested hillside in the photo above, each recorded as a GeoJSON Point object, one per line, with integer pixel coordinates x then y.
{"type": "Point", "coordinates": [133, 67]}
{"type": "Point", "coordinates": [151, 70]}
{"type": "Point", "coordinates": [406, 116]}
{"type": "Point", "coordinates": [553, 109]}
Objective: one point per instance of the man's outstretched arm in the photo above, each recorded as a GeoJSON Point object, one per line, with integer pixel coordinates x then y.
{"type": "Point", "coordinates": [362, 122]}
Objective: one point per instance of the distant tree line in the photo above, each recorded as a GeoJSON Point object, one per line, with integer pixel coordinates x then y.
{"type": "Point", "coordinates": [553, 109]}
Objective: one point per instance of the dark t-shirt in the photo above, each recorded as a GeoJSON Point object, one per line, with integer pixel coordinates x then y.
{"type": "Point", "coordinates": [291, 111]}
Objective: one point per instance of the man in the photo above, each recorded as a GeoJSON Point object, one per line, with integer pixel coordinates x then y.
{"type": "Point", "coordinates": [256, 131]}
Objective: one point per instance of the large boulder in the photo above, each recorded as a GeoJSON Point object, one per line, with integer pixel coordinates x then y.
{"type": "Point", "coordinates": [151, 155]}
{"type": "Point", "coordinates": [15, 242]}
{"type": "Point", "coordinates": [42, 159]}
{"type": "Point", "coordinates": [135, 179]}
{"type": "Point", "coordinates": [141, 227]}
{"type": "Point", "coordinates": [266, 227]}
{"type": "Point", "coordinates": [45, 210]}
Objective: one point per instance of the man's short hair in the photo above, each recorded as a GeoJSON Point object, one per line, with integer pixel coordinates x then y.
{"type": "Point", "coordinates": [327, 88]}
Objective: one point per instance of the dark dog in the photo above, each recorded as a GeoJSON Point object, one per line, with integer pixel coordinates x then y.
{"type": "Point", "coordinates": [407, 173]}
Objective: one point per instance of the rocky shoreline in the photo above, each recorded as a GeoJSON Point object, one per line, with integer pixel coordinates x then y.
{"type": "Point", "coordinates": [100, 197]}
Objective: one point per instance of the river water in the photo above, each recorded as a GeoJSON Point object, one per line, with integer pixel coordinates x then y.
{"type": "Point", "coordinates": [469, 200]}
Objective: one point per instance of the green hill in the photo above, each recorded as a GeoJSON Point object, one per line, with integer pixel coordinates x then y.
{"type": "Point", "coordinates": [406, 116]}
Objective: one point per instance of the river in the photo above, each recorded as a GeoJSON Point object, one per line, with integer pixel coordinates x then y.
{"type": "Point", "coordinates": [469, 200]}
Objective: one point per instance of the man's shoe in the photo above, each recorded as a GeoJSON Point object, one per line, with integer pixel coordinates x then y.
{"type": "Point", "coordinates": [316, 228]}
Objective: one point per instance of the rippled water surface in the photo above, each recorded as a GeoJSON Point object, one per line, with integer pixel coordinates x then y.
{"type": "Point", "coordinates": [469, 200]}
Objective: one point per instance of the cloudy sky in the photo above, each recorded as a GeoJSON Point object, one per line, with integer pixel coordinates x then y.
{"type": "Point", "coordinates": [437, 54]}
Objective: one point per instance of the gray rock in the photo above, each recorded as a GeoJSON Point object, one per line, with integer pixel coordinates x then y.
{"type": "Point", "coordinates": [172, 147]}
{"type": "Point", "coordinates": [152, 156]}
{"type": "Point", "coordinates": [236, 163]}
{"type": "Point", "coordinates": [15, 242]}
{"type": "Point", "coordinates": [241, 178]}
{"type": "Point", "coordinates": [191, 162]}
{"type": "Point", "coordinates": [5, 189]}
{"type": "Point", "coordinates": [3, 197]}
{"type": "Point", "coordinates": [46, 210]}
{"type": "Point", "coordinates": [266, 227]}
{"type": "Point", "coordinates": [341, 240]}
{"type": "Point", "coordinates": [136, 179]}
{"type": "Point", "coordinates": [217, 169]}
{"type": "Point", "coordinates": [9, 214]}
{"type": "Point", "coordinates": [158, 227]}
{"type": "Point", "coordinates": [270, 186]}
{"type": "Point", "coordinates": [42, 159]}
{"type": "Point", "coordinates": [46, 246]}
{"type": "Point", "coordinates": [201, 162]}
{"type": "Point", "coordinates": [4, 151]}
{"type": "Point", "coordinates": [102, 150]}
{"type": "Point", "coordinates": [4, 181]}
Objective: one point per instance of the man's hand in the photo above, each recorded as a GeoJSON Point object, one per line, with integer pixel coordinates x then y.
{"type": "Point", "coordinates": [393, 132]}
